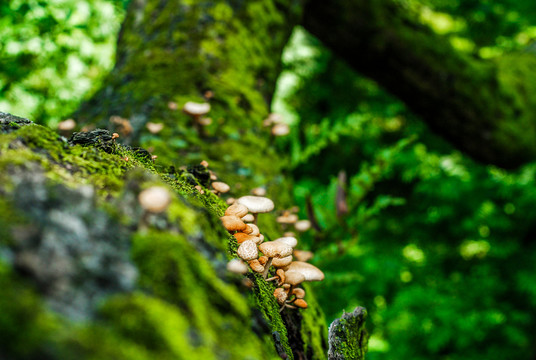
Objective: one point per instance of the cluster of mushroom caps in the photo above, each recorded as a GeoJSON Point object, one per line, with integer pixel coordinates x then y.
{"type": "Point", "coordinates": [240, 219]}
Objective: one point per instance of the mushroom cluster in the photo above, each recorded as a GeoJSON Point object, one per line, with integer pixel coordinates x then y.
{"type": "Point", "coordinates": [240, 220]}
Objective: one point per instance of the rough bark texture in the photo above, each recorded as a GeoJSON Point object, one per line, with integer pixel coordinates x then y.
{"type": "Point", "coordinates": [485, 108]}
{"type": "Point", "coordinates": [348, 336]}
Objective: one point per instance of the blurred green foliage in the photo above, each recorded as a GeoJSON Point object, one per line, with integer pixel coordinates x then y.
{"type": "Point", "coordinates": [439, 249]}
{"type": "Point", "coordinates": [54, 53]}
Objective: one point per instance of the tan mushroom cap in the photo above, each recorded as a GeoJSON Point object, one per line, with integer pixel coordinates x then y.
{"type": "Point", "coordinates": [303, 255]}
{"type": "Point", "coordinates": [254, 229]}
{"type": "Point", "coordinates": [220, 187]}
{"type": "Point", "coordinates": [311, 272]}
{"type": "Point", "coordinates": [282, 262]}
{"type": "Point", "coordinates": [281, 129]}
{"type": "Point", "coordinates": [258, 191]}
{"type": "Point", "coordinates": [299, 293]}
{"type": "Point", "coordinates": [196, 109]}
{"type": "Point", "coordinates": [257, 204]}
{"type": "Point", "coordinates": [67, 125]}
{"type": "Point", "coordinates": [247, 251]}
{"type": "Point", "coordinates": [248, 218]}
{"type": "Point", "coordinates": [275, 249]}
{"type": "Point", "coordinates": [302, 225]}
{"type": "Point", "coordinates": [263, 259]}
{"type": "Point", "coordinates": [281, 295]}
{"type": "Point", "coordinates": [256, 266]}
{"type": "Point", "coordinates": [155, 199]}
{"type": "Point", "coordinates": [241, 237]}
{"type": "Point", "coordinates": [237, 210]}
{"type": "Point", "coordinates": [300, 303]}
{"type": "Point", "coordinates": [233, 223]}
{"type": "Point", "coordinates": [287, 218]}
{"type": "Point", "coordinates": [154, 128]}
{"type": "Point", "coordinates": [230, 201]}
{"type": "Point", "coordinates": [294, 277]}
{"type": "Point", "coordinates": [289, 234]}
{"type": "Point", "coordinates": [288, 240]}
{"type": "Point", "coordinates": [281, 274]}
{"type": "Point", "coordinates": [237, 266]}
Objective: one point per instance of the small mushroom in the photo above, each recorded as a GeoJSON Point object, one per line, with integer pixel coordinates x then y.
{"type": "Point", "coordinates": [280, 129]}
{"type": "Point", "coordinates": [230, 201]}
{"type": "Point", "coordinates": [274, 249]}
{"type": "Point", "coordinates": [233, 223]}
{"type": "Point", "coordinates": [281, 295]}
{"type": "Point", "coordinates": [237, 210]}
{"type": "Point", "coordinates": [220, 187]}
{"type": "Point", "coordinates": [241, 237]}
{"type": "Point", "coordinates": [254, 229]}
{"type": "Point", "coordinates": [154, 128]}
{"type": "Point", "coordinates": [302, 225]}
{"type": "Point", "coordinates": [300, 303]}
{"type": "Point", "coordinates": [282, 262]}
{"type": "Point", "coordinates": [248, 218]}
{"type": "Point", "coordinates": [256, 205]}
{"type": "Point", "coordinates": [259, 191]}
{"type": "Point", "coordinates": [303, 255]}
{"type": "Point", "coordinates": [289, 234]}
{"type": "Point", "coordinates": [256, 266]}
{"type": "Point", "coordinates": [155, 199]}
{"type": "Point", "coordinates": [288, 240]}
{"type": "Point", "coordinates": [310, 272]}
{"type": "Point", "coordinates": [247, 251]}
{"type": "Point", "coordinates": [196, 111]}
{"type": "Point", "coordinates": [237, 266]}
{"type": "Point", "coordinates": [299, 293]}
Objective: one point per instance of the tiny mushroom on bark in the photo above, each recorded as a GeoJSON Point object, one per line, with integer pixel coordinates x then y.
{"type": "Point", "coordinates": [237, 210]}
{"type": "Point", "coordinates": [196, 111]}
{"type": "Point", "coordinates": [247, 251]}
{"type": "Point", "coordinates": [274, 249]}
{"type": "Point", "coordinates": [256, 205]}
{"type": "Point", "coordinates": [220, 187]}
{"type": "Point", "coordinates": [237, 266]}
{"type": "Point", "coordinates": [155, 199]}
{"type": "Point", "coordinates": [233, 223]}
{"type": "Point", "coordinates": [300, 303]}
{"type": "Point", "coordinates": [280, 295]}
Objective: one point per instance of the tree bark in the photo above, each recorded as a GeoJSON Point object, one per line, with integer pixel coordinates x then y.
{"type": "Point", "coordinates": [487, 108]}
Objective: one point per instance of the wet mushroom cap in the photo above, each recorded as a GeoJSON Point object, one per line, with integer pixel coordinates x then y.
{"type": "Point", "coordinates": [300, 303]}
{"type": "Point", "coordinates": [311, 272]}
{"type": "Point", "coordinates": [257, 204]}
{"type": "Point", "coordinates": [233, 223]}
{"type": "Point", "coordinates": [237, 210]}
{"type": "Point", "coordinates": [275, 249]}
{"type": "Point", "coordinates": [247, 251]}
{"type": "Point", "coordinates": [196, 109]}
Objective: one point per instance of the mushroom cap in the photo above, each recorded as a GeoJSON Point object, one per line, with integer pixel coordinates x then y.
{"type": "Point", "coordinates": [233, 223]}
{"type": "Point", "coordinates": [294, 277]}
{"type": "Point", "coordinates": [311, 272]}
{"type": "Point", "coordinates": [237, 210]}
{"type": "Point", "coordinates": [67, 125]}
{"type": "Point", "coordinates": [275, 249]}
{"type": "Point", "coordinates": [247, 251]}
{"type": "Point", "coordinates": [288, 240]}
{"type": "Point", "coordinates": [205, 121]}
{"type": "Point", "coordinates": [154, 128]}
{"type": "Point", "coordinates": [302, 225]}
{"type": "Point", "coordinates": [280, 129]}
{"type": "Point", "coordinates": [155, 199]}
{"type": "Point", "coordinates": [282, 262]}
{"type": "Point", "coordinates": [230, 201]}
{"type": "Point", "coordinates": [258, 191]}
{"type": "Point", "coordinates": [220, 187]}
{"type": "Point", "coordinates": [248, 218]}
{"type": "Point", "coordinates": [256, 266]}
{"type": "Point", "coordinates": [281, 274]}
{"type": "Point", "coordinates": [287, 219]}
{"type": "Point", "coordinates": [263, 259]}
{"type": "Point", "coordinates": [196, 109]}
{"type": "Point", "coordinates": [289, 234]}
{"type": "Point", "coordinates": [241, 237]}
{"type": "Point", "coordinates": [299, 292]}
{"type": "Point", "coordinates": [281, 295]}
{"type": "Point", "coordinates": [300, 303]}
{"type": "Point", "coordinates": [237, 266]}
{"type": "Point", "coordinates": [254, 229]}
{"type": "Point", "coordinates": [257, 204]}
{"type": "Point", "coordinates": [303, 255]}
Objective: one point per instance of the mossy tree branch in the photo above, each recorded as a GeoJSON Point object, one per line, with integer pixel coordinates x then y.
{"type": "Point", "coordinates": [486, 108]}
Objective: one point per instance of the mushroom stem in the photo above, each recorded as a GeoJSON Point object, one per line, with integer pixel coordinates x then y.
{"type": "Point", "coordinates": [266, 268]}
{"type": "Point", "coordinates": [255, 218]}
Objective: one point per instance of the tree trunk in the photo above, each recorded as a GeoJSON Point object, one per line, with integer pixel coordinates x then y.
{"type": "Point", "coordinates": [485, 108]}
{"type": "Point", "coordinates": [85, 270]}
